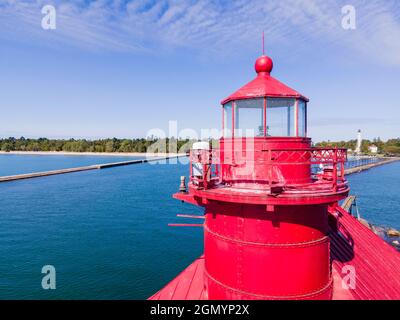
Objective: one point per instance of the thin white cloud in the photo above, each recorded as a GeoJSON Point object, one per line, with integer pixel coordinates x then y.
{"type": "Point", "coordinates": [209, 26]}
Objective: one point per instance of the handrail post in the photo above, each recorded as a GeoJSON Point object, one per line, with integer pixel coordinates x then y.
{"type": "Point", "coordinates": [270, 169]}
{"type": "Point", "coordinates": [190, 165]}
{"type": "Point", "coordinates": [335, 169]}
{"type": "Point", "coordinates": [205, 171]}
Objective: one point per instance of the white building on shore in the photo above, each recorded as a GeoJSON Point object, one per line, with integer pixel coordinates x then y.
{"type": "Point", "coordinates": [373, 149]}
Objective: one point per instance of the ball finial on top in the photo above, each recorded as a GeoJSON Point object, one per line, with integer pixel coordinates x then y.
{"type": "Point", "coordinates": [264, 65]}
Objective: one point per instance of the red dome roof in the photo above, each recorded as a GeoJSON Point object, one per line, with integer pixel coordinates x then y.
{"type": "Point", "coordinates": [264, 85]}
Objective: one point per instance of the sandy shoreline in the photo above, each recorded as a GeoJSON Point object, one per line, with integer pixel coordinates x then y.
{"type": "Point", "coordinates": [116, 154]}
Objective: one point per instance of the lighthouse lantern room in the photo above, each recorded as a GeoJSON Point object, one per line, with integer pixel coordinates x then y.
{"type": "Point", "coordinates": [266, 194]}
{"type": "Point", "coordinates": [264, 107]}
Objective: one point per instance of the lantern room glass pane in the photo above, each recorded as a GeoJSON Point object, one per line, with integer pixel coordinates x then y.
{"type": "Point", "coordinates": [249, 118]}
{"type": "Point", "coordinates": [302, 118]}
{"type": "Point", "coordinates": [280, 117]}
{"type": "Point", "coordinates": [227, 120]}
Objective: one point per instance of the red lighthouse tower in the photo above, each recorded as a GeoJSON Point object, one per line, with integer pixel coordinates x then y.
{"type": "Point", "coordinates": [266, 226]}
{"type": "Point", "coordinates": [270, 203]}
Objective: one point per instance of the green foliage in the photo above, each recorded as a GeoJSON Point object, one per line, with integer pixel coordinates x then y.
{"type": "Point", "coordinates": [392, 146]}
{"type": "Point", "coordinates": [102, 145]}
{"type": "Point", "coordinates": [392, 150]}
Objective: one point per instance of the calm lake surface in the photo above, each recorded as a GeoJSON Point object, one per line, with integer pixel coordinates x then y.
{"type": "Point", "coordinates": [378, 194]}
{"type": "Point", "coordinates": [106, 233]}
{"type": "Point", "coordinates": [11, 164]}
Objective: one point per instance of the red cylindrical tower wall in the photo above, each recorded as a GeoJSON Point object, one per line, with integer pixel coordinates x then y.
{"type": "Point", "coordinates": [254, 254]}
{"type": "Point", "coordinates": [251, 159]}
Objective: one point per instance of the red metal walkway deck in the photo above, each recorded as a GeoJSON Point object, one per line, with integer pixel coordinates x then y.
{"type": "Point", "coordinates": [188, 285]}
{"type": "Point", "coordinates": [377, 264]}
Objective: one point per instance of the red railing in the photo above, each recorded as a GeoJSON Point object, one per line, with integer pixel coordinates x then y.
{"type": "Point", "coordinates": [205, 165]}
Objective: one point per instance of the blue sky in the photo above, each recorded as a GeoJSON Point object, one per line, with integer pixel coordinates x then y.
{"type": "Point", "coordinates": [121, 68]}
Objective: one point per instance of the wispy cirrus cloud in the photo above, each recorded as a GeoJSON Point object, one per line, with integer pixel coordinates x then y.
{"type": "Point", "coordinates": [219, 27]}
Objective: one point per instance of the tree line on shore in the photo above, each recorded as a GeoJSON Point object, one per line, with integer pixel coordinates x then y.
{"type": "Point", "coordinates": [152, 144]}
{"type": "Point", "coordinates": [99, 145]}
{"type": "Point", "coordinates": [390, 147]}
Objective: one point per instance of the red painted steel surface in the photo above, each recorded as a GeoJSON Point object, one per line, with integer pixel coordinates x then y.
{"type": "Point", "coordinates": [263, 163]}
{"type": "Point", "coordinates": [188, 285]}
{"type": "Point", "coordinates": [267, 238]}
{"type": "Point", "coordinates": [376, 263]}
{"type": "Point", "coordinates": [263, 65]}
{"type": "Point", "coordinates": [266, 226]}
{"type": "Point", "coordinates": [251, 161]}
{"type": "Point", "coordinates": [254, 254]}
{"type": "Point", "coordinates": [250, 175]}
{"type": "Point", "coordinates": [228, 195]}
{"type": "Point", "coordinates": [270, 229]}
{"type": "Point", "coordinates": [264, 85]}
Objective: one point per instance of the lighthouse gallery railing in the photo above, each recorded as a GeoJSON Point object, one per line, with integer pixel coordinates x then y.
{"type": "Point", "coordinates": [326, 164]}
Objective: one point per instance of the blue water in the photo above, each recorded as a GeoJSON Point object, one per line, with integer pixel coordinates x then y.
{"type": "Point", "coordinates": [106, 233]}
{"type": "Point", "coordinates": [11, 164]}
{"type": "Point", "coordinates": [378, 194]}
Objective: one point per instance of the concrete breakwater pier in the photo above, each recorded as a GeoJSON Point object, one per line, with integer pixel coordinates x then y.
{"type": "Point", "coordinates": [86, 168]}
{"type": "Point", "coordinates": [371, 165]}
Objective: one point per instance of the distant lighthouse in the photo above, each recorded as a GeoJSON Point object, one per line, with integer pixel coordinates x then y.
{"type": "Point", "coordinates": [359, 139]}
